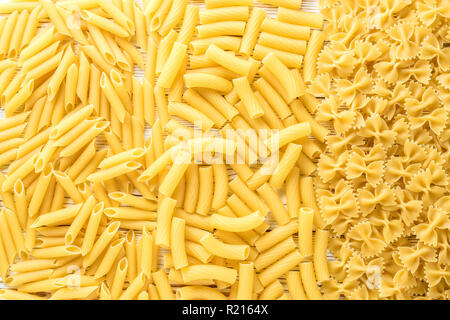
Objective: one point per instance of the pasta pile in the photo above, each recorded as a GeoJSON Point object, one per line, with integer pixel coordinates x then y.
{"type": "Point", "coordinates": [383, 184]}
{"type": "Point", "coordinates": [93, 210]}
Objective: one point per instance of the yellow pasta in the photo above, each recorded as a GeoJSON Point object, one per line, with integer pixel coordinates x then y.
{"type": "Point", "coordinates": [251, 31]}
{"type": "Point", "coordinates": [304, 18]}
{"type": "Point", "coordinates": [314, 46]}
{"type": "Point", "coordinates": [309, 281]}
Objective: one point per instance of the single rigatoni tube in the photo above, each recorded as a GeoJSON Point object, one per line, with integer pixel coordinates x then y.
{"type": "Point", "coordinates": [172, 65]}
{"type": "Point", "coordinates": [287, 162]}
{"type": "Point", "coordinates": [273, 201]}
{"type": "Point", "coordinates": [205, 191]}
{"type": "Point", "coordinates": [309, 281]}
{"type": "Point", "coordinates": [304, 18]}
{"type": "Point", "coordinates": [177, 243]}
{"type": "Point", "coordinates": [246, 281]}
{"type": "Point", "coordinates": [252, 30]}
{"type": "Point", "coordinates": [308, 197]}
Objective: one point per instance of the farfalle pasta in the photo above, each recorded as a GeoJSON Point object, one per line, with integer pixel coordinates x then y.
{"type": "Point", "coordinates": [387, 75]}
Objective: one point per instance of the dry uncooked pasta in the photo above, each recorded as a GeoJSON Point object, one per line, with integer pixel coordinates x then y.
{"type": "Point", "coordinates": [345, 112]}
{"type": "Point", "coordinates": [91, 204]}
{"type": "Point", "coordinates": [382, 183]}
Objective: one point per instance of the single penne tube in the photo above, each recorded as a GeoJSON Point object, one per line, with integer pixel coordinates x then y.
{"type": "Point", "coordinates": [211, 4]}
{"type": "Point", "coordinates": [93, 225]}
{"type": "Point", "coordinates": [237, 224]}
{"type": "Point", "coordinates": [70, 121]}
{"type": "Point", "coordinates": [309, 281]}
{"type": "Point", "coordinates": [68, 186]}
{"type": "Point", "coordinates": [282, 73]}
{"type": "Point", "coordinates": [191, 114]}
{"type": "Point", "coordinates": [88, 292]}
{"type": "Point", "coordinates": [115, 171]}
{"type": "Point", "coordinates": [224, 250]}
{"type": "Point", "coordinates": [251, 31]}
{"type": "Point", "coordinates": [57, 217]}
{"type": "Point", "coordinates": [295, 286]}
{"type": "Point", "coordinates": [111, 95]}
{"type": "Point", "coordinates": [172, 65]}
{"type": "Point", "coordinates": [39, 43]}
